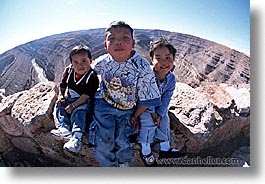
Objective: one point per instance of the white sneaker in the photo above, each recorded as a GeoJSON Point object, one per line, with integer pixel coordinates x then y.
{"type": "Point", "coordinates": [125, 164]}
{"type": "Point", "coordinates": [61, 131]}
{"type": "Point", "coordinates": [73, 145]}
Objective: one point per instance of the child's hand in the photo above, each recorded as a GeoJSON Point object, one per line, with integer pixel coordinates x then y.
{"type": "Point", "coordinates": [69, 109]}
{"type": "Point", "coordinates": [156, 118]}
{"type": "Point", "coordinates": [60, 100]}
{"type": "Point", "coordinates": [135, 121]}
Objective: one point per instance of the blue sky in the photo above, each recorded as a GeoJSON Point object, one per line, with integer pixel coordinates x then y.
{"type": "Point", "coordinates": [223, 21]}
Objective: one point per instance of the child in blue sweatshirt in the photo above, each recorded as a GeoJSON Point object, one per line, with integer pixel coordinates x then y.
{"type": "Point", "coordinates": [154, 122]}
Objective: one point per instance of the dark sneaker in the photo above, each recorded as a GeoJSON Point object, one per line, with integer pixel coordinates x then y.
{"type": "Point", "coordinates": [171, 153]}
{"type": "Point", "coordinates": [149, 160]}
{"type": "Point", "coordinates": [133, 138]}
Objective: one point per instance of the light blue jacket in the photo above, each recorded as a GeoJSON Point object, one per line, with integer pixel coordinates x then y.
{"type": "Point", "coordinates": [166, 89]}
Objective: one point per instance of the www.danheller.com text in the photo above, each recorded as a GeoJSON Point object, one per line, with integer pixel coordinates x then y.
{"type": "Point", "coordinates": [198, 161]}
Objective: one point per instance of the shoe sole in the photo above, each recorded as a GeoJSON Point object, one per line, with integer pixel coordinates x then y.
{"type": "Point", "coordinates": [60, 138]}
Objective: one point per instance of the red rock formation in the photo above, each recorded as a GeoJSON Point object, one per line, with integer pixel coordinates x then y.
{"type": "Point", "coordinates": [204, 122]}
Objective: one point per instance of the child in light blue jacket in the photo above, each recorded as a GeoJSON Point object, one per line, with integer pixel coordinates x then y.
{"type": "Point", "coordinates": [154, 122]}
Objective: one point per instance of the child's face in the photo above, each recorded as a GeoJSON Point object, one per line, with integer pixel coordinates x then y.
{"type": "Point", "coordinates": [162, 60]}
{"type": "Point", "coordinates": [81, 63]}
{"type": "Point", "coordinates": [119, 43]}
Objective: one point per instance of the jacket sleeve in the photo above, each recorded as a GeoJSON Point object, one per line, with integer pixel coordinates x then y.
{"type": "Point", "coordinates": [166, 96]}
{"type": "Point", "coordinates": [63, 83]}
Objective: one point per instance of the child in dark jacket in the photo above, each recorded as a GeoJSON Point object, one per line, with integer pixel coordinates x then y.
{"type": "Point", "coordinates": [73, 105]}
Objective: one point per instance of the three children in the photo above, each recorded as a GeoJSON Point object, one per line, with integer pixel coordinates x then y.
{"type": "Point", "coordinates": [130, 94]}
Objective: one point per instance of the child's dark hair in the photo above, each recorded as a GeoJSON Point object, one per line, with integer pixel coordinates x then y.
{"type": "Point", "coordinates": [162, 42]}
{"type": "Point", "coordinates": [80, 49]}
{"type": "Point", "coordinates": [119, 24]}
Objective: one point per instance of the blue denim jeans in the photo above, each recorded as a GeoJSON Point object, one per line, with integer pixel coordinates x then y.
{"type": "Point", "coordinates": [108, 135]}
{"type": "Point", "coordinates": [76, 121]}
{"type": "Point", "coordinates": [149, 131]}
